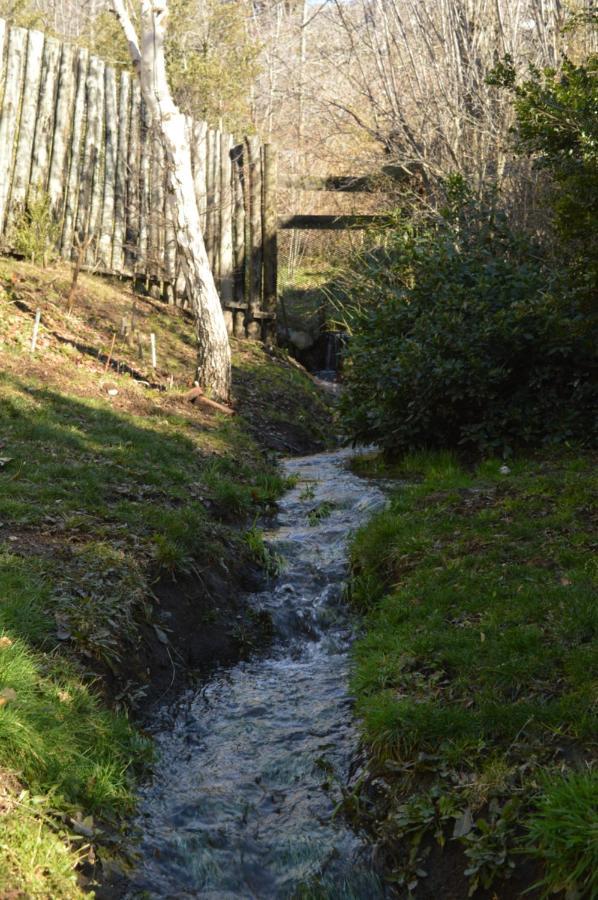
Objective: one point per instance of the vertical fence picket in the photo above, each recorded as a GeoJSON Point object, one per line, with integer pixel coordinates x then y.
{"type": "Point", "coordinates": [44, 126]}
{"type": "Point", "coordinates": [226, 221]}
{"type": "Point", "coordinates": [106, 217]}
{"type": "Point", "coordinates": [13, 85]}
{"type": "Point", "coordinates": [95, 118]}
{"type": "Point", "coordinates": [270, 241]}
{"type": "Point", "coordinates": [31, 85]}
{"type": "Point", "coordinates": [70, 237]}
{"type": "Point", "coordinates": [120, 177]}
{"type": "Point", "coordinates": [144, 191]}
{"type": "Point", "coordinates": [65, 101]}
{"type": "Point", "coordinates": [239, 238]}
{"type": "Point", "coordinates": [255, 237]}
{"type": "Point", "coordinates": [133, 181]}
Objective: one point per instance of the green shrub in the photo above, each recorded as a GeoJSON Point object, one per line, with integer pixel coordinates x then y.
{"type": "Point", "coordinates": [462, 337]}
{"type": "Point", "coordinates": [563, 832]}
{"type": "Point", "coordinates": [36, 232]}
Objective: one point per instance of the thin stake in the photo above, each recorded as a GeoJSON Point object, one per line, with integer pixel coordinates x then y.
{"type": "Point", "coordinates": [110, 353]}
{"type": "Point", "coordinates": [38, 315]}
{"type": "Point", "coordinates": [153, 348]}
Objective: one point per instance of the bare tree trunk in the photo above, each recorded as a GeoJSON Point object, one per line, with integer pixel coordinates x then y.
{"type": "Point", "coordinates": [213, 349]}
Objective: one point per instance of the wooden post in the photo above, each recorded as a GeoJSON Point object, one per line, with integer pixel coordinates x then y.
{"type": "Point", "coordinates": [44, 126]}
{"type": "Point", "coordinates": [226, 222]}
{"type": "Point", "coordinates": [144, 181]}
{"type": "Point", "coordinates": [15, 61]}
{"type": "Point", "coordinates": [88, 178]}
{"type": "Point", "coordinates": [132, 181]}
{"type": "Point", "coordinates": [20, 181]}
{"type": "Point", "coordinates": [255, 238]}
{"type": "Point", "coordinates": [153, 350]}
{"type": "Point", "coordinates": [270, 241]}
{"type": "Point", "coordinates": [209, 229]}
{"type": "Point", "coordinates": [72, 185]}
{"type": "Point", "coordinates": [106, 229]}
{"type": "Point", "coordinates": [216, 211]}
{"type": "Point", "coordinates": [200, 136]}
{"type": "Point", "coordinates": [65, 101]}
{"type": "Point", "coordinates": [239, 224]}
{"type": "Point", "coordinates": [121, 179]}
{"type": "Point", "coordinates": [96, 117]}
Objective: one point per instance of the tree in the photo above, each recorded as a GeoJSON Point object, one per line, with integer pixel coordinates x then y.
{"type": "Point", "coordinates": [148, 58]}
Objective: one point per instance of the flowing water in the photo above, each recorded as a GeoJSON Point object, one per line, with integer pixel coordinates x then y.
{"type": "Point", "coordinates": [243, 798]}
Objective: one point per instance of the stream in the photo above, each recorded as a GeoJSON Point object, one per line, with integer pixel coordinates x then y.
{"type": "Point", "coordinates": [242, 801]}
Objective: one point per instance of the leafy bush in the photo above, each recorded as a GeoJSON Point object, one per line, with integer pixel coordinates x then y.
{"type": "Point", "coordinates": [462, 337]}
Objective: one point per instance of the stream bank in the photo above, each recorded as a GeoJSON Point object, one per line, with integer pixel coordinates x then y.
{"type": "Point", "coordinates": [253, 763]}
{"type": "Point", "coordinates": [127, 526]}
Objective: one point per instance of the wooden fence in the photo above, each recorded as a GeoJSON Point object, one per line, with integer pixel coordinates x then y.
{"type": "Point", "coordinates": [74, 133]}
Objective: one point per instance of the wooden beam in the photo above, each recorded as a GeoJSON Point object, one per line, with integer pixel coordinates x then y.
{"type": "Point", "coordinates": [353, 184]}
{"type": "Point", "coordinates": [332, 223]}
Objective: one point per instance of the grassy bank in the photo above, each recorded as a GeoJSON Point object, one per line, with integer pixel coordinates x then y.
{"type": "Point", "coordinates": [476, 677]}
{"type": "Point", "coordinates": [126, 538]}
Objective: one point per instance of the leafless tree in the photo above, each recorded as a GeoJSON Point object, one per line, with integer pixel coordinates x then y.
{"type": "Point", "coordinates": [147, 55]}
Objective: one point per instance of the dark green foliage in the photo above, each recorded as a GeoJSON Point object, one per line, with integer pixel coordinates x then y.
{"type": "Point", "coordinates": [464, 337]}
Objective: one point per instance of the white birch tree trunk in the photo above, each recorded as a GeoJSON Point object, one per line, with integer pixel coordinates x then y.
{"type": "Point", "coordinates": [213, 349]}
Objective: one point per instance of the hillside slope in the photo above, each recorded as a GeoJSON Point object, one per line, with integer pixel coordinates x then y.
{"type": "Point", "coordinates": [122, 560]}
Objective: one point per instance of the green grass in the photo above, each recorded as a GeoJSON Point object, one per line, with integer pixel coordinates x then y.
{"type": "Point", "coordinates": [478, 665]}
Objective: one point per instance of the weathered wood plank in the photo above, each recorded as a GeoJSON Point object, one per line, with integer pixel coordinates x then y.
{"type": "Point", "coordinates": [226, 221]}
{"type": "Point", "coordinates": [332, 223]}
{"type": "Point", "coordinates": [157, 201]}
{"type": "Point", "coordinates": [65, 104]}
{"type": "Point", "coordinates": [210, 199]}
{"type": "Point", "coordinates": [44, 126]}
{"type": "Point", "coordinates": [22, 169]}
{"type": "Point", "coordinates": [86, 223]}
{"type": "Point", "coordinates": [110, 140]}
{"type": "Point", "coordinates": [13, 85]}
{"type": "Point", "coordinates": [270, 240]}
{"type": "Point", "coordinates": [199, 162]}
{"type": "Point", "coordinates": [255, 236]}
{"type": "Point", "coordinates": [240, 227]}
{"type": "Point", "coordinates": [132, 180]}
{"type": "Point", "coordinates": [144, 190]}
{"type": "Point", "coordinates": [120, 175]}
{"type": "Point", "coordinates": [96, 117]}
{"type": "Point", "coordinates": [71, 201]}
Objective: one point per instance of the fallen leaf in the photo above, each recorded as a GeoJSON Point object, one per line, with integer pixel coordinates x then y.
{"type": "Point", "coordinates": [5, 642]}
{"type": "Point", "coordinates": [463, 824]}
{"type": "Point", "coordinates": [161, 635]}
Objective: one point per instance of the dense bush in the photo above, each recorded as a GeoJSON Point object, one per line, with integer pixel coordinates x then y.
{"type": "Point", "coordinates": [463, 337]}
